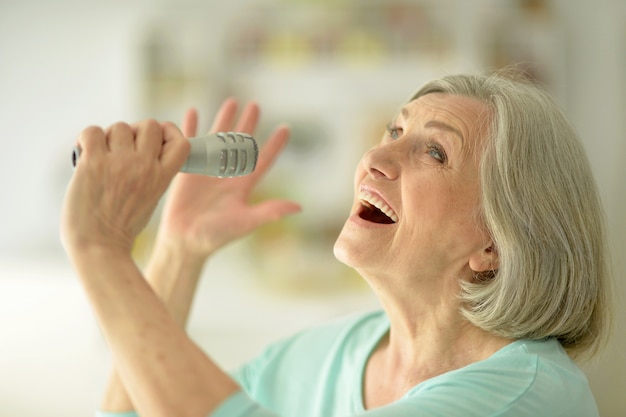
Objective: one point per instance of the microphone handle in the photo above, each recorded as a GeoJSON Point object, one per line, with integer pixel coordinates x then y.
{"type": "Point", "coordinates": [220, 154]}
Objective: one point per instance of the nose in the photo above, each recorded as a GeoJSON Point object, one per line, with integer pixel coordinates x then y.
{"type": "Point", "coordinates": [382, 162]}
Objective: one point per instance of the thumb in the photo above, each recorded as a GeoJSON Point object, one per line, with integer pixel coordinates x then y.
{"type": "Point", "coordinates": [175, 148]}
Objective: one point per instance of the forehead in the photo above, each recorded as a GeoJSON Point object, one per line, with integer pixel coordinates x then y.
{"type": "Point", "coordinates": [467, 115]}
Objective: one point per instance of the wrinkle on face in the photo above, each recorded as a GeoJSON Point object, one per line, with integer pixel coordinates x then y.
{"type": "Point", "coordinates": [437, 230]}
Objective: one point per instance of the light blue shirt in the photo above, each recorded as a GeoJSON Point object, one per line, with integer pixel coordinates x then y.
{"type": "Point", "coordinates": [319, 373]}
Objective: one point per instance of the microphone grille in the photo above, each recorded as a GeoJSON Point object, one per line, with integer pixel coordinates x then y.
{"type": "Point", "coordinates": [222, 154]}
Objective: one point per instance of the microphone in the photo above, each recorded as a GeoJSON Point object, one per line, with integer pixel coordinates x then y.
{"type": "Point", "coordinates": [220, 154]}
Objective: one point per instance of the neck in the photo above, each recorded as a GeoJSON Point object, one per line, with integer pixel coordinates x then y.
{"type": "Point", "coordinates": [428, 337]}
{"type": "Point", "coordinates": [432, 345]}
{"type": "Point", "coordinates": [431, 329]}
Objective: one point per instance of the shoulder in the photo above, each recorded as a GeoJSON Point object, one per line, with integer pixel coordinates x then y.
{"type": "Point", "coordinates": [353, 328]}
{"type": "Point", "coordinates": [335, 339]}
{"type": "Point", "coordinates": [526, 378]}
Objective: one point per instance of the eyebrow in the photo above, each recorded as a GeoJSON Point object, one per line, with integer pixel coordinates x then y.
{"type": "Point", "coordinates": [446, 127]}
{"type": "Point", "coordinates": [438, 125]}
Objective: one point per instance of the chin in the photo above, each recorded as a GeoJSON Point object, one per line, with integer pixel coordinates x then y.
{"type": "Point", "coordinates": [340, 253]}
{"type": "Point", "coordinates": [348, 251]}
{"type": "Point", "coordinates": [362, 244]}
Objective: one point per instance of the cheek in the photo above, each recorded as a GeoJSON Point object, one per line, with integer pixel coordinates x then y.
{"type": "Point", "coordinates": [437, 208]}
{"type": "Point", "coordinates": [359, 174]}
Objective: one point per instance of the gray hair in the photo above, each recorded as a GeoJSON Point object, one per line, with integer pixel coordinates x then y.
{"type": "Point", "coordinates": [541, 207]}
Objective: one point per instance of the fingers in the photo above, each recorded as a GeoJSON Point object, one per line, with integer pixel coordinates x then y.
{"type": "Point", "coordinates": [225, 119]}
{"type": "Point", "coordinates": [272, 148]}
{"type": "Point", "coordinates": [161, 141]}
{"type": "Point", "coordinates": [92, 141]}
{"type": "Point", "coordinates": [175, 148]}
{"type": "Point", "coordinates": [249, 118]}
{"type": "Point", "coordinates": [190, 123]}
{"type": "Point", "coordinates": [247, 122]}
{"type": "Point", "coordinates": [225, 116]}
{"type": "Point", "coordinates": [148, 137]}
{"type": "Point", "coordinates": [120, 137]}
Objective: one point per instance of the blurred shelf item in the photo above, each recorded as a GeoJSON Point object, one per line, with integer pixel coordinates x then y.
{"type": "Point", "coordinates": [350, 33]}
{"type": "Point", "coordinates": [336, 71]}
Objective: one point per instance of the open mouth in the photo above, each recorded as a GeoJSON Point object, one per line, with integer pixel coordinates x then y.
{"type": "Point", "coordinates": [375, 210]}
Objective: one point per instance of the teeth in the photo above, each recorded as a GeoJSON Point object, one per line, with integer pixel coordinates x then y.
{"type": "Point", "coordinates": [379, 204]}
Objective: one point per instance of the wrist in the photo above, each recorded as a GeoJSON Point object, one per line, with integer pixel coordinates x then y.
{"type": "Point", "coordinates": [175, 254]}
{"type": "Point", "coordinates": [173, 273]}
{"type": "Point", "coordinates": [77, 246]}
{"type": "Point", "coordinates": [92, 253]}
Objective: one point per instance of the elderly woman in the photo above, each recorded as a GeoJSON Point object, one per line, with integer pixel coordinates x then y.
{"type": "Point", "coordinates": [475, 221]}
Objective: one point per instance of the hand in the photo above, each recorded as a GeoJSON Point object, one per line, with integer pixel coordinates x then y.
{"type": "Point", "coordinates": [120, 177]}
{"type": "Point", "coordinates": [203, 213]}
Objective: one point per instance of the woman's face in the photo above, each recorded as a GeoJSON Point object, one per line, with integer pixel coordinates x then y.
{"type": "Point", "coordinates": [417, 194]}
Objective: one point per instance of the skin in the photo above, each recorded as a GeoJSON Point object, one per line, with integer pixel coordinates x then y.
{"type": "Point", "coordinates": [173, 376]}
{"type": "Point", "coordinates": [413, 265]}
{"type": "Point", "coordinates": [424, 169]}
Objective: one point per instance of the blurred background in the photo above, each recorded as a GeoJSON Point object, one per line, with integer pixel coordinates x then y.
{"type": "Point", "coordinates": [336, 71]}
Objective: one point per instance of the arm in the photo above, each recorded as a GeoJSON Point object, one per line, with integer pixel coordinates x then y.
{"type": "Point", "coordinates": [164, 372]}
{"type": "Point", "coordinates": [173, 275]}
{"type": "Point", "coordinates": [191, 229]}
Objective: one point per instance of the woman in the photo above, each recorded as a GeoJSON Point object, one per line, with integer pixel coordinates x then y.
{"type": "Point", "coordinates": [476, 222]}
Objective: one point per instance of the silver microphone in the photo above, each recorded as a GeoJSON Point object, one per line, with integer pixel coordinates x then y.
{"type": "Point", "coordinates": [220, 154]}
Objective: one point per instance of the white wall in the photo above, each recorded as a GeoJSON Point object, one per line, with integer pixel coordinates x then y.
{"type": "Point", "coordinates": [597, 105]}
{"type": "Point", "coordinates": [67, 64]}
{"type": "Point", "coordinates": [62, 67]}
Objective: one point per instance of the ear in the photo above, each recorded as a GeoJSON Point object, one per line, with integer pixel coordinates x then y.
{"type": "Point", "coordinates": [484, 260]}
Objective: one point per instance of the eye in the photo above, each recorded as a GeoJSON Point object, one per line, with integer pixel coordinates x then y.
{"type": "Point", "coordinates": [437, 152]}
{"type": "Point", "coordinates": [394, 132]}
